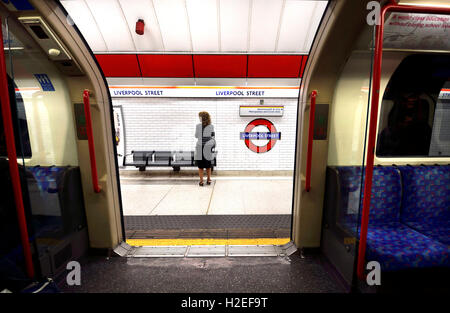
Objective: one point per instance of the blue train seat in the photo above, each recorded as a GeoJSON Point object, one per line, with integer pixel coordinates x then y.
{"type": "Point", "coordinates": [426, 200]}
{"type": "Point", "coordinates": [389, 241]}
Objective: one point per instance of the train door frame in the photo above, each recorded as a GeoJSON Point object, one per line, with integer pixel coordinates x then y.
{"type": "Point", "coordinates": [12, 160]}
{"type": "Point", "coordinates": [104, 208]}
{"type": "Point", "coordinates": [57, 17]}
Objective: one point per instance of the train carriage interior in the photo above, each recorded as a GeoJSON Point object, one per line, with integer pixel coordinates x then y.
{"type": "Point", "coordinates": [330, 168]}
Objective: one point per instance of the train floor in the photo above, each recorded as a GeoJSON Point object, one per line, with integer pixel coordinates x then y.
{"type": "Point", "coordinates": [289, 274]}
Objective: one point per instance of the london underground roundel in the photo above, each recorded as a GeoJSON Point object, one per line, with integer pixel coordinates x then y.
{"type": "Point", "coordinates": [260, 141]}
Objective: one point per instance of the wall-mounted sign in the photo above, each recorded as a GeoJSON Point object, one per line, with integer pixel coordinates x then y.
{"type": "Point", "coordinates": [119, 133]}
{"type": "Point", "coordinates": [321, 122]}
{"type": "Point", "coordinates": [202, 92]}
{"type": "Point", "coordinates": [417, 31]}
{"type": "Point", "coordinates": [269, 138]}
{"type": "Point", "coordinates": [261, 110]}
{"type": "Point", "coordinates": [45, 82]}
{"type": "Point", "coordinates": [80, 121]}
{"type": "Point", "coordinates": [445, 93]}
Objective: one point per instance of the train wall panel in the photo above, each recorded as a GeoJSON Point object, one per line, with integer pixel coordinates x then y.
{"type": "Point", "coordinates": [50, 122]}
{"type": "Point", "coordinates": [169, 124]}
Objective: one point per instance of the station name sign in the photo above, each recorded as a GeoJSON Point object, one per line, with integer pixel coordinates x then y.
{"type": "Point", "coordinates": [444, 94]}
{"type": "Point", "coordinates": [202, 92]}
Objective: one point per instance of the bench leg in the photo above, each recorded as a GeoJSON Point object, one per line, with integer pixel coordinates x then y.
{"type": "Point", "coordinates": [142, 169]}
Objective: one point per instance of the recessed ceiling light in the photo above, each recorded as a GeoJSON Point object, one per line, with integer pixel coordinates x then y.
{"type": "Point", "coordinates": [54, 52]}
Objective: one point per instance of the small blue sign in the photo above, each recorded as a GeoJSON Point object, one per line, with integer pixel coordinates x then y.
{"type": "Point", "coordinates": [260, 135]}
{"type": "Point", "coordinates": [45, 82]}
{"type": "Point", "coordinates": [21, 5]}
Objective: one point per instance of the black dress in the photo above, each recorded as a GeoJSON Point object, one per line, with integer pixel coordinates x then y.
{"type": "Point", "coordinates": [205, 145]}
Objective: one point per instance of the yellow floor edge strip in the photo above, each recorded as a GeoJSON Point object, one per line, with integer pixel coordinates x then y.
{"type": "Point", "coordinates": [208, 241]}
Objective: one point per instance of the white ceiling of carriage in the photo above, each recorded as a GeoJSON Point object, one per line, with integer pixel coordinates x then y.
{"type": "Point", "coordinates": [198, 26]}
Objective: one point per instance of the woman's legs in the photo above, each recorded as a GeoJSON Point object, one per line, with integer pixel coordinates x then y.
{"type": "Point", "coordinates": [208, 173]}
{"type": "Point", "coordinates": [200, 173]}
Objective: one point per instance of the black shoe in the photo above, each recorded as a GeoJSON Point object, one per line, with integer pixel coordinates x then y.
{"type": "Point", "coordinates": [208, 182]}
{"type": "Point", "coordinates": [200, 183]}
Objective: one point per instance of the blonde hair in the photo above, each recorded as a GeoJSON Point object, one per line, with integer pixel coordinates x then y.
{"type": "Point", "coordinates": [206, 118]}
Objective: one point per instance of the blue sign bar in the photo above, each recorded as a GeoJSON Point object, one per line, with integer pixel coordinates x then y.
{"type": "Point", "coordinates": [259, 135]}
{"type": "Point", "coordinates": [45, 82]}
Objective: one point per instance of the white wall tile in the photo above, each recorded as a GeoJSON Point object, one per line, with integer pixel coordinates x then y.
{"type": "Point", "coordinates": [169, 124]}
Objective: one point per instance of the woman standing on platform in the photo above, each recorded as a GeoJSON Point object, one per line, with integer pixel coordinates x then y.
{"type": "Point", "coordinates": [204, 132]}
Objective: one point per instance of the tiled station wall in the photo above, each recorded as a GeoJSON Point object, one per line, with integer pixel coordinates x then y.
{"type": "Point", "coordinates": [169, 124]}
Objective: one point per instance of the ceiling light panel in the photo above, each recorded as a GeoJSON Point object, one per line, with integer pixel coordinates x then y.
{"type": "Point", "coordinates": [80, 14]}
{"type": "Point", "coordinates": [143, 9]}
{"type": "Point", "coordinates": [112, 24]}
{"type": "Point", "coordinates": [173, 21]}
{"type": "Point", "coordinates": [203, 22]}
{"type": "Point", "coordinates": [265, 17]}
{"type": "Point", "coordinates": [295, 26]}
{"type": "Point", "coordinates": [234, 18]}
{"type": "Point", "coordinates": [315, 23]}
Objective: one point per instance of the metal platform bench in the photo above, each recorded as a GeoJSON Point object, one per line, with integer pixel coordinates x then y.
{"type": "Point", "coordinates": [174, 159]}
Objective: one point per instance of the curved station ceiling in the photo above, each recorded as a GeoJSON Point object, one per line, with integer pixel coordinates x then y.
{"type": "Point", "coordinates": [199, 38]}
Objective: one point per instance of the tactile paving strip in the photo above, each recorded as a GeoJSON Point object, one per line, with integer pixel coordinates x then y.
{"type": "Point", "coordinates": [186, 222]}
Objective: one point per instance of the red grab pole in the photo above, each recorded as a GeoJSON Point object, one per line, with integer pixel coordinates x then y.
{"type": "Point", "coordinates": [376, 77]}
{"type": "Point", "coordinates": [12, 157]}
{"type": "Point", "coordinates": [87, 113]}
{"type": "Point", "coordinates": [312, 112]}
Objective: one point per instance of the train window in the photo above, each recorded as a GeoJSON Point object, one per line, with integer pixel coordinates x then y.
{"type": "Point", "coordinates": [19, 117]}
{"type": "Point", "coordinates": [41, 98]}
{"type": "Point", "coordinates": [415, 111]}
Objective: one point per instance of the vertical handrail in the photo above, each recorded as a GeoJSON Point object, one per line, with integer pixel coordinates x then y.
{"type": "Point", "coordinates": [12, 157]}
{"type": "Point", "coordinates": [87, 113]}
{"type": "Point", "coordinates": [376, 78]}
{"type": "Point", "coordinates": [312, 112]}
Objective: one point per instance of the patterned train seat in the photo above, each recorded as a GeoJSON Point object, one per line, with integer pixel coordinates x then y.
{"type": "Point", "coordinates": [426, 200]}
{"type": "Point", "coordinates": [389, 241]}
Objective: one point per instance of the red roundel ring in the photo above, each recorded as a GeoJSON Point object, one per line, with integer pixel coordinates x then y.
{"type": "Point", "coordinates": [270, 127]}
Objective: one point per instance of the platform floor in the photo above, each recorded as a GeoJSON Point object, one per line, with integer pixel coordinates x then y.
{"type": "Point", "coordinates": [226, 195]}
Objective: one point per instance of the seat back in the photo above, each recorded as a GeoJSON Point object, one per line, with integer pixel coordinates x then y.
{"type": "Point", "coordinates": [44, 195]}
{"type": "Point", "coordinates": [47, 177]}
{"type": "Point", "coordinates": [426, 193]}
{"type": "Point", "coordinates": [162, 155]}
{"type": "Point", "coordinates": [140, 156]}
{"type": "Point", "coordinates": [58, 194]}
{"type": "Point", "coordinates": [385, 198]}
